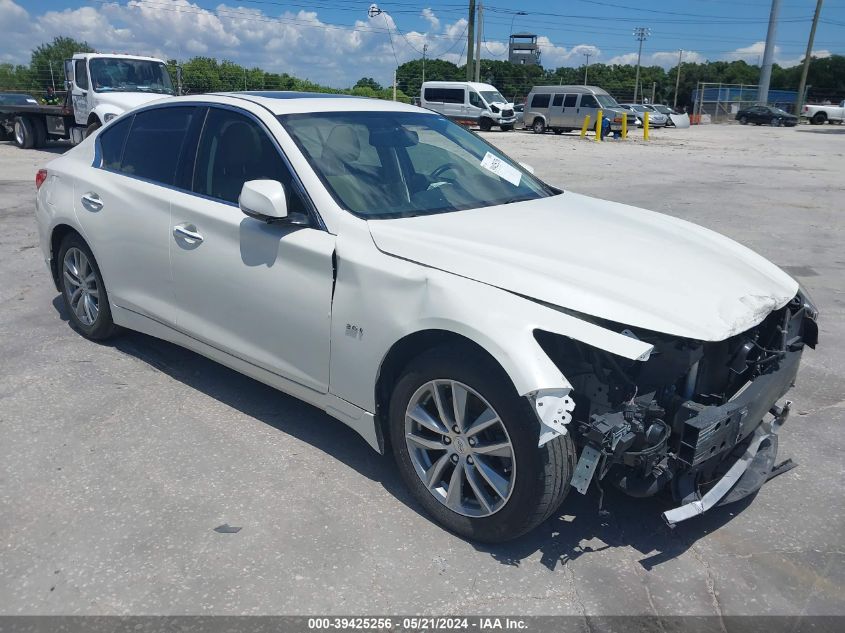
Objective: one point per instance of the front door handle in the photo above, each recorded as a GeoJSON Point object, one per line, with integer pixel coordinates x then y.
{"type": "Point", "coordinates": [91, 201]}
{"type": "Point", "coordinates": [187, 232]}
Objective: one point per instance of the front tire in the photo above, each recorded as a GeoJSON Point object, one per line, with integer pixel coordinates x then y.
{"type": "Point", "coordinates": [485, 124]}
{"type": "Point", "coordinates": [743, 120]}
{"type": "Point", "coordinates": [93, 127]}
{"type": "Point", "coordinates": [465, 444]}
{"type": "Point", "coordinates": [539, 126]}
{"type": "Point", "coordinates": [83, 290]}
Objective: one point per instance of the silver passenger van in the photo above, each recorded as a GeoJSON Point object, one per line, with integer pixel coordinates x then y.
{"type": "Point", "coordinates": [563, 108]}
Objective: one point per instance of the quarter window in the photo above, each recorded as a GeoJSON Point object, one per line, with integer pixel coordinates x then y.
{"type": "Point", "coordinates": [155, 143]}
{"type": "Point", "coordinates": [111, 141]}
{"type": "Point", "coordinates": [540, 101]}
{"type": "Point", "coordinates": [558, 100]}
{"type": "Point", "coordinates": [234, 149]}
{"type": "Point", "coordinates": [569, 101]}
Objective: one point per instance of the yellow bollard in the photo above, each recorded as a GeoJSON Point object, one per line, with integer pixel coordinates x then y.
{"type": "Point", "coordinates": [624, 125]}
{"type": "Point", "coordinates": [598, 126]}
{"type": "Point", "coordinates": [645, 126]}
{"type": "Point", "coordinates": [585, 126]}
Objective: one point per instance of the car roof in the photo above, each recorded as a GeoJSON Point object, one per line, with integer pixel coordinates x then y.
{"type": "Point", "coordinates": [288, 102]}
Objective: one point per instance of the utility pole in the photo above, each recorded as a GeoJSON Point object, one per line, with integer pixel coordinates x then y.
{"type": "Point", "coordinates": [642, 33]}
{"type": "Point", "coordinates": [586, 66]}
{"type": "Point", "coordinates": [394, 84]}
{"type": "Point", "coordinates": [768, 54]}
{"type": "Point", "coordinates": [653, 89]}
{"type": "Point", "coordinates": [678, 78]}
{"type": "Point", "coordinates": [425, 49]}
{"type": "Point", "coordinates": [802, 87]}
{"type": "Point", "coordinates": [470, 38]}
{"type": "Point", "coordinates": [479, 35]}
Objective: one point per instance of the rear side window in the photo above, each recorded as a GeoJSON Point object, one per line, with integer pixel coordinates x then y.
{"type": "Point", "coordinates": [569, 101]}
{"type": "Point", "coordinates": [540, 101]}
{"type": "Point", "coordinates": [444, 95]}
{"type": "Point", "coordinates": [111, 141]}
{"type": "Point", "coordinates": [155, 143]}
{"type": "Point", "coordinates": [233, 149]}
{"type": "Point", "coordinates": [80, 74]}
{"type": "Point", "coordinates": [558, 100]}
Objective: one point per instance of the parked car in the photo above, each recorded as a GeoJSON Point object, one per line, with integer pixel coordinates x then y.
{"type": "Point", "coordinates": [17, 98]}
{"type": "Point", "coordinates": [665, 111]}
{"type": "Point", "coordinates": [768, 115]}
{"type": "Point", "coordinates": [564, 108]}
{"type": "Point", "coordinates": [502, 338]}
{"type": "Point", "coordinates": [818, 114]}
{"type": "Point", "coordinates": [469, 103]}
{"type": "Point", "coordinates": [655, 118]}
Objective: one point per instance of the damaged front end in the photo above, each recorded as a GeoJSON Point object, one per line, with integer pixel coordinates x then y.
{"type": "Point", "coordinates": [691, 418]}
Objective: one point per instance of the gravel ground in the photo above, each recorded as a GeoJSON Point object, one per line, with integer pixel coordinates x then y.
{"type": "Point", "coordinates": [118, 460]}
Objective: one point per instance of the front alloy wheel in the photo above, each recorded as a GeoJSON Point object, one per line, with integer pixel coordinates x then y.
{"type": "Point", "coordinates": [459, 448]}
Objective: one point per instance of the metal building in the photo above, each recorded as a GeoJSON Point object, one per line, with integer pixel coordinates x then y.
{"type": "Point", "coordinates": [523, 49]}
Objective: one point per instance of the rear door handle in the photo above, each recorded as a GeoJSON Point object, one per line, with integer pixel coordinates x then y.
{"type": "Point", "coordinates": [91, 201]}
{"type": "Point", "coordinates": [187, 232]}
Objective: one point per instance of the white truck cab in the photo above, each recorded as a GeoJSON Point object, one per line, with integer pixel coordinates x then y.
{"type": "Point", "coordinates": [103, 86]}
{"type": "Point", "coordinates": [469, 103]}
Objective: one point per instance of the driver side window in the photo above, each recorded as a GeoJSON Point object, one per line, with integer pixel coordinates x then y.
{"type": "Point", "coordinates": [234, 149]}
{"type": "Point", "coordinates": [80, 74]}
{"type": "Point", "coordinates": [475, 100]}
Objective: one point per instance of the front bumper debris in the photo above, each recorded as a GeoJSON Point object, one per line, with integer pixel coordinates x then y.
{"type": "Point", "coordinates": [745, 477]}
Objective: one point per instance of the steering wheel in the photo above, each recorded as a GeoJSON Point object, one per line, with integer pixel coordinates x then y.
{"type": "Point", "coordinates": [437, 173]}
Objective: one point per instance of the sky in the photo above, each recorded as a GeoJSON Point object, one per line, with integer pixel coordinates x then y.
{"type": "Point", "coordinates": [335, 42]}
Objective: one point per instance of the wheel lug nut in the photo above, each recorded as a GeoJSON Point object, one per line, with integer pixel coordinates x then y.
{"type": "Point", "coordinates": [447, 440]}
{"type": "Point", "coordinates": [472, 441]}
{"type": "Point", "coordinates": [454, 459]}
{"type": "Point", "coordinates": [456, 429]}
{"type": "Point", "coordinates": [469, 460]}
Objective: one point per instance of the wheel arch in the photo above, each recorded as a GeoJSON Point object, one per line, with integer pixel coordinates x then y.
{"type": "Point", "coordinates": [403, 352]}
{"type": "Point", "coordinates": [57, 236]}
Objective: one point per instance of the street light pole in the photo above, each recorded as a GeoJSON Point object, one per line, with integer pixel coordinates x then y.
{"type": "Point", "coordinates": [586, 66]}
{"type": "Point", "coordinates": [425, 49]}
{"type": "Point", "coordinates": [641, 33]}
{"type": "Point", "coordinates": [678, 78]}
{"type": "Point", "coordinates": [802, 86]}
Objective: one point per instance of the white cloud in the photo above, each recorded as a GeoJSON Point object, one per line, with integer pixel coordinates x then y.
{"type": "Point", "coordinates": [433, 20]}
{"type": "Point", "coordinates": [665, 59]}
{"type": "Point", "coordinates": [753, 54]}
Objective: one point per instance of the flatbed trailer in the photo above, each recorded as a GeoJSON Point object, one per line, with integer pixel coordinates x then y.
{"type": "Point", "coordinates": [33, 125]}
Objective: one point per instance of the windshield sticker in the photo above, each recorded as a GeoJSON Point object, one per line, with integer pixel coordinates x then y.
{"type": "Point", "coordinates": [501, 169]}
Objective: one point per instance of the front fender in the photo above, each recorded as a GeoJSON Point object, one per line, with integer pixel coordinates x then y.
{"type": "Point", "coordinates": [102, 109]}
{"type": "Point", "coordinates": [379, 300]}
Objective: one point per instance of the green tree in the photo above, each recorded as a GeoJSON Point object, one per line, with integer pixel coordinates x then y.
{"type": "Point", "coordinates": [368, 82]}
{"type": "Point", "coordinates": [52, 56]}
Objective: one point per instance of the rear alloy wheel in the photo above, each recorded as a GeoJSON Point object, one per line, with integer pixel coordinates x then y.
{"type": "Point", "coordinates": [466, 446]}
{"type": "Point", "coordinates": [83, 290]}
{"type": "Point", "coordinates": [539, 126]}
{"type": "Point", "coordinates": [24, 132]}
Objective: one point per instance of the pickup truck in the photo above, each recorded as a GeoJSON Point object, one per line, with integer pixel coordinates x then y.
{"type": "Point", "coordinates": [818, 114]}
{"type": "Point", "coordinates": [99, 88]}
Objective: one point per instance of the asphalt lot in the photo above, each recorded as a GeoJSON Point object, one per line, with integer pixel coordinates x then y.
{"type": "Point", "coordinates": [117, 461]}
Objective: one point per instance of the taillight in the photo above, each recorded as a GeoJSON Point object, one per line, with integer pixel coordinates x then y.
{"type": "Point", "coordinates": [806, 109]}
{"type": "Point", "coordinates": [40, 177]}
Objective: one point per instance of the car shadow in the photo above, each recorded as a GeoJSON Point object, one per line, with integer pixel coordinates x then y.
{"type": "Point", "coordinates": [820, 130]}
{"type": "Point", "coordinates": [576, 529]}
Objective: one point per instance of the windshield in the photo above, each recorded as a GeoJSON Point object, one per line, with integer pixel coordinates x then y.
{"type": "Point", "coordinates": [492, 96]}
{"type": "Point", "coordinates": [663, 109]}
{"type": "Point", "coordinates": [778, 110]}
{"type": "Point", "coordinates": [129, 75]}
{"type": "Point", "coordinates": [606, 101]}
{"type": "Point", "coordinates": [403, 164]}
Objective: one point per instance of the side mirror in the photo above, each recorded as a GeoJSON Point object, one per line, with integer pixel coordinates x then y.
{"type": "Point", "coordinates": [264, 200]}
{"type": "Point", "coordinates": [527, 168]}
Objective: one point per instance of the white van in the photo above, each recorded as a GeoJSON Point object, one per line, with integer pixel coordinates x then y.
{"type": "Point", "coordinates": [468, 102]}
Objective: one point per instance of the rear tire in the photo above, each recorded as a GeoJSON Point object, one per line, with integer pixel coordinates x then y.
{"type": "Point", "coordinates": [539, 126]}
{"type": "Point", "coordinates": [83, 291]}
{"type": "Point", "coordinates": [24, 132]}
{"type": "Point", "coordinates": [40, 132]}
{"type": "Point", "coordinates": [506, 128]}
{"type": "Point", "coordinates": [537, 477]}
{"type": "Point", "coordinates": [557, 131]}
{"type": "Point", "coordinates": [819, 118]}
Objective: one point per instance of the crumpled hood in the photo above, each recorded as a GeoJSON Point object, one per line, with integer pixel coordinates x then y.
{"type": "Point", "coordinates": [128, 100]}
{"type": "Point", "coordinates": [609, 260]}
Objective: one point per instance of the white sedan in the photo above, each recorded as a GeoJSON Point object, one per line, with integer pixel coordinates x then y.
{"type": "Point", "coordinates": [505, 340]}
